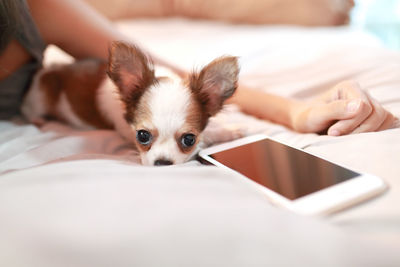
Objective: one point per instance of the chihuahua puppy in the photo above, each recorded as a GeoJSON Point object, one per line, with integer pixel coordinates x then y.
{"type": "Point", "coordinates": [163, 114]}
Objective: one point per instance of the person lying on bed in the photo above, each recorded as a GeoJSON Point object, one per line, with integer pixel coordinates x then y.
{"type": "Point", "coordinates": [27, 26]}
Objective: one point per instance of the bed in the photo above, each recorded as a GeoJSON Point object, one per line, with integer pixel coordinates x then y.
{"type": "Point", "coordinates": [81, 198]}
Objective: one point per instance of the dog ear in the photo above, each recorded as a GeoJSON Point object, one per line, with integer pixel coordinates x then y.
{"type": "Point", "coordinates": [215, 83]}
{"type": "Point", "coordinates": [130, 69]}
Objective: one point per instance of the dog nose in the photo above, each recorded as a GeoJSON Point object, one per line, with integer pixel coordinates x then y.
{"type": "Point", "coordinates": [163, 162]}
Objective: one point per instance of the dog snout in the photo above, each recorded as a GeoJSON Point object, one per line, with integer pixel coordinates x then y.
{"type": "Point", "coordinates": [163, 162]}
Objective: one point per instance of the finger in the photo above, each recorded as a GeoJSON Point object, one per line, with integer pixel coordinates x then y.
{"type": "Point", "coordinates": [389, 122]}
{"type": "Point", "coordinates": [345, 90]}
{"type": "Point", "coordinates": [337, 110]}
{"type": "Point", "coordinates": [350, 90]}
{"type": "Point", "coordinates": [374, 121]}
{"type": "Point", "coordinates": [321, 116]}
{"type": "Point", "coordinates": [348, 125]}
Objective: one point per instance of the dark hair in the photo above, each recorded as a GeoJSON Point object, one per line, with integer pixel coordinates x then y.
{"type": "Point", "coordinates": [9, 20]}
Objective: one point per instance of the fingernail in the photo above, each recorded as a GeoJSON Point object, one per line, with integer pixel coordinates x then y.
{"type": "Point", "coordinates": [333, 133]}
{"type": "Point", "coordinates": [353, 105]}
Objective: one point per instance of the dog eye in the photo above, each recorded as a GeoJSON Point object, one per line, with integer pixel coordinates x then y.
{"type": "Point", "coordinates": [188, 140]}
{"type": "Point", "coordinates": [144, 137]}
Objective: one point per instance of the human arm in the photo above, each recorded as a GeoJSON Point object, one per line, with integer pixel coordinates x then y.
{"type": "Point", "coordinates": [77, 28]}
{"type": "Point", "coordinates": [344, 109]}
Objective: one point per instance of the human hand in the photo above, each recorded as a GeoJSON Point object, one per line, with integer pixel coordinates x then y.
{"type": "Point", "coordinates": [344, 109]}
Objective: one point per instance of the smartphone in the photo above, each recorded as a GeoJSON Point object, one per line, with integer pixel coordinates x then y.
{"type": "Point", "coordinates": [293, 178]}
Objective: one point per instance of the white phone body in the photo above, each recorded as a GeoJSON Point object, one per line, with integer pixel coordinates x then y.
{"type": "Point", "coordinates": [332, 198]}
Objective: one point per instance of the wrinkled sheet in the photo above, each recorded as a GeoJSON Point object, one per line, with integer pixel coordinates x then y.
{"type": "Point", "coordinates": [81, 198]}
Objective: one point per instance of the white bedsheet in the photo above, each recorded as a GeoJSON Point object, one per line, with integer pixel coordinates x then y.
{"type": "Point", "coordinates": [80, 198]}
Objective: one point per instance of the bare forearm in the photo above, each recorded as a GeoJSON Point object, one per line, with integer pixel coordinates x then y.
{"type": "Point", "coordinates": [77, 28]}
{"type": "Point", "coordinates": [263, 105]}
{"type": "Point", "coordinates": [343, 109]}
{"type": "Point", "coordinates": [132, 9]}
{"type": "Point", "coordinates": [73, 26]}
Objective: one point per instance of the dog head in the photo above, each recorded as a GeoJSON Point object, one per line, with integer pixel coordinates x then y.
{"type": "Point", "coordinates": [167, 113]}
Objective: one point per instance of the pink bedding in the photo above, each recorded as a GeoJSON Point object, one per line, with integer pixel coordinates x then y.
{"type": "Point", "coordinates": [82, 195]}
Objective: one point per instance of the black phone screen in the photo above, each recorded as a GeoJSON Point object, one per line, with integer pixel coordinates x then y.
{"type": "Point", "coordinates": [289, 172]}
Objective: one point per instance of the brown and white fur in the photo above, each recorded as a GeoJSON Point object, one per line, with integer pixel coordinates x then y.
{"type": "Point", "coordinates": [127, 94]}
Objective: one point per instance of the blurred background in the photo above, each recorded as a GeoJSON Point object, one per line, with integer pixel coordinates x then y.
{"type": "Point", "coordinates": [380, 17]}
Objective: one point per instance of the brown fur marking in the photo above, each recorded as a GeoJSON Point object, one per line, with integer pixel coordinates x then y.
{"type": "Point", "coordinates": [80, 82]}
{"type": "Point", "coordinates": [132, 72]}
{"type": "Point", "coordinates": [215, 83]}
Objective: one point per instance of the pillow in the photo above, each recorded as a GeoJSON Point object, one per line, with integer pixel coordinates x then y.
{"type": "Point", "coordinates": [303, 12]}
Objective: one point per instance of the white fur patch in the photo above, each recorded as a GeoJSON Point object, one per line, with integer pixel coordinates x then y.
{"type": "Point", "coordinates": [34, 104]}
{"type": "Point", "coordinates": [112, 107]}
{"type": "Point", "coordinates": [169, 103]}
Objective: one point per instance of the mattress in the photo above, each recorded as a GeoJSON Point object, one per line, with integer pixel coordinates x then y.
{"type": "Point", "coordinates": [81, 198]}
